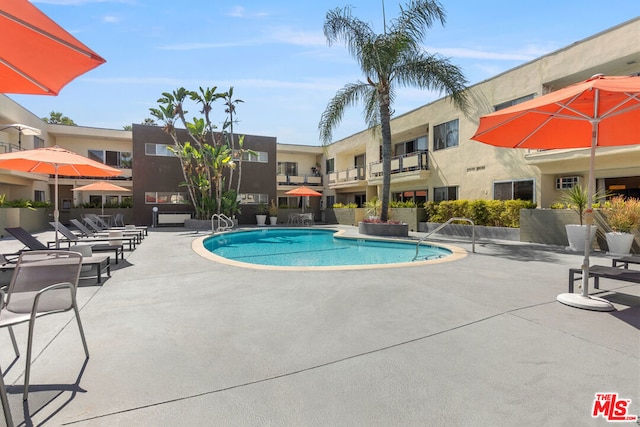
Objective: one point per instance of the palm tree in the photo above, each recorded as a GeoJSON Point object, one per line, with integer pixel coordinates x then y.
{"type": "Point", "coordinates": [389, 60]}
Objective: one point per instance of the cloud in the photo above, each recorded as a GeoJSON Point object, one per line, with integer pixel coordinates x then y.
{"type": "Point", "coordinates": [110, 19]}
{"type": "Point", "coordinates": [528, 53]}
{"type": "Point", "coordinates": [241, 12]}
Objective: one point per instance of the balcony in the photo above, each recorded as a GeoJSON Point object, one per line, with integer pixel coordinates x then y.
{"type": "Point", "coordinates": [406, 166]}
{"type": "Point", "coordinates": [347, 177]}
{"type": "Point", "coordinates": [298, 180]}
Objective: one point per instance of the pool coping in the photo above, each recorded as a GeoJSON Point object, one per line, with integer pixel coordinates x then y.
{"type": "Point", "coordinates": [457, 253]}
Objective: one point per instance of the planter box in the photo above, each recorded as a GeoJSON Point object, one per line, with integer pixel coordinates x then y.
{"type": "Point", "coordinates": [383, 230]}
{"type": "Point", "coordinates": [344, 216]}
{"type": "Point", "coordinates": [32, 220]}
{"type": "Point", "coordinates": [410, 216]}
{"type": "Point", "coordinates": [464, 230]}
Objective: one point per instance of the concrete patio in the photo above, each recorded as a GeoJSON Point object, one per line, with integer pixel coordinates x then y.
{"type": "Point", "coordinates": [178, 340]}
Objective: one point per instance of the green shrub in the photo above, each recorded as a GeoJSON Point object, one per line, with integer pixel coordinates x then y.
{"type": "Point", "coordinates": [496, 213]}
{"type": "Point", "coordinates": [401, 204]}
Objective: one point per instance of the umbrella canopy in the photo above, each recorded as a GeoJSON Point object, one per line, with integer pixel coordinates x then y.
{"type": "Point", "coordinates": [22, 130]}
{"type": "Point", "coordinates": [303, 191]}
{"type": "Point", "coordinates": [37, 56]}
{"type": "Point", "coordinates": [601, 111]}
{"type": "Point", "coordinates": [102, 187]}
{"type": "Point", "coordinates": [55, 161]}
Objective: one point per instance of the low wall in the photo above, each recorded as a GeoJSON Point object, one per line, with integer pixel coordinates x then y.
{"type": "Point", "coordinates": [464, 230]}
{"type": "Point", "coordinates": [32, 220]}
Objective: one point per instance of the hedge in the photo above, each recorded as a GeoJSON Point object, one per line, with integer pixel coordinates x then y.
{"type": "Point", "coordinates": [495, 213]}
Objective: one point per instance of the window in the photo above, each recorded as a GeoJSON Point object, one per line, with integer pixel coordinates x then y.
{"type": "Point", "coordinates": [331, 200]}
{"type": "Point", "coordinates": [330, 165]}
{"type": "Point", "coordinates": [287, 168]}
{"type": "Point", "coordinates": [253, 198]}
{"type": "Point", "coordinates": [445, 193]}
{"type": "Point", "coordinates": [567, 182]}
{"type": "Point", "coordinates": [151, 149]}
{"type": "Point", "coordinates": [360, 161]}
{"type": "Point", "coordinates": [445, 135]}
{"type": "Point", "coordinates": [512, 102]}
{"type": "Point", "coordinates": [513, 190]}
{"type": "Point", "coordinates": [38, 196]}
{"type": "Point", "coordinates": [418, 196]}
{"type": "Point", "coordinates": [157, 197]}
{"type": "Point", "coordinates": [38, 142]}
{"type": "Point", "coordinates": [291, 202]}
{"type": "Point", "coordinates": [256, 156]}
{"type": "Point", "coordinates": [118, 159]}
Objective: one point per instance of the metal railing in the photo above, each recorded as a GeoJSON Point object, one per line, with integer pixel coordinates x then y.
{"type": "Point", "coordinates": [224, 223]}
{"type": "Point", "coordinates": [441, 226]}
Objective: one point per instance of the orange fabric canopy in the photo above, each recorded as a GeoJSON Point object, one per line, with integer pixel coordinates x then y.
{"type": "Point", "coordinates": [37, 56]}
{"type": "Point", "coordinates": [101, 186]}
{"type": "Point", "coordinates": [303, 191]}
{"type": "Point", "coordinates": [563, 119]}
{"type": "Point", "coordinates": [55, 161]}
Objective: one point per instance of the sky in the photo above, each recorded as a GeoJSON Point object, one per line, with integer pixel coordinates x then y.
{"type": "Point", "coordinates": [277, 59]}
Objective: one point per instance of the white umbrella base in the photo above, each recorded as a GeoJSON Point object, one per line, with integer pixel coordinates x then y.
{"type": "Point", "coordinates": [586, 303]}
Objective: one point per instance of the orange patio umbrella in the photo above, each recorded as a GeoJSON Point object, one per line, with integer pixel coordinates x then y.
{"type": "Point", "coordinates": [37, 56]}
{"type": "Point", "coordinates": [303, 191]}
{"type": "Point", "coordinates": [603, 111]}
{"type": "Point", "coordinates": [102, 187]}
{"type": "Point", "coordinates": [55, 161]}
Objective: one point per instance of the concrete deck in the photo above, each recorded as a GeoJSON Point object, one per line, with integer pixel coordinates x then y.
{"type": "Point", "coordinates": [176, 339]}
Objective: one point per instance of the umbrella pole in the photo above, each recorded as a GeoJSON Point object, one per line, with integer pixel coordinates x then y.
{"type": "Point", "coordinates": [56, 212]}
{"type": "Point", "coordinates": [583, 300]}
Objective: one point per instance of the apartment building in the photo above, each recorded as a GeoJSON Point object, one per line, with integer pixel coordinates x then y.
{"type": "Point", "coordinates": [434, 157]}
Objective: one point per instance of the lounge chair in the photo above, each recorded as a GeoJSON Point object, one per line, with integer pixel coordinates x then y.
{"type": "Point", "coordinates": [626, 260]}
{"type": "Point", "coordinates": [132, 240]}
{"type": "Point", "coordinates": [43, 283]}
{"type": "Point", "coordinates": [71, 237]}
{"type": "Point", "coordinates": [92, 225]}
{"type": "Point", "coordinates": [118, 221]}
{"type": "Point", "coordinates": [98, 262]}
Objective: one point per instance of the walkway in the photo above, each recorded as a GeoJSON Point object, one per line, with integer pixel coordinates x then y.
{"type": "Point", "coordinates": [178, 340]}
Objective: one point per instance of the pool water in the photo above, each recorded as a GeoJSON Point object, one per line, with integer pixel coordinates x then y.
{"type": "Point", "coordinates": [313, 247]}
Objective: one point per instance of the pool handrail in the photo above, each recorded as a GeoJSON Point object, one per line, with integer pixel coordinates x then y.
{"type": "Point", "coordinates": [224, 223]}
{"type": "Point", "coordinates": [441, 226]}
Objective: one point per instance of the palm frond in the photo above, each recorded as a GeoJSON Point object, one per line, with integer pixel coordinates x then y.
{"type": "Point", "coordinates": [349, 95]}
{"type": "Point", "coordinates": [433, 72]}
{"type": "Point", "coordinates": [341, 26]}
{"type": "Point", "coordinates": [417, 17]}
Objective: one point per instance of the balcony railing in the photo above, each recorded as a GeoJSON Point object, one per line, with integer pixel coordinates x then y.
{"type": "Point", "coordinates": [310, 180]}
{"type": "Point", "coordinates": [346, 175]}
{"type": "Point", "coordinates": [405, 163]}
{"type": "Point", "coordinates": [7, 147]}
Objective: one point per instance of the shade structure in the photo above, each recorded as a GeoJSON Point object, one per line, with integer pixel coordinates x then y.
{"type": "Point", "coordinates": [102, 187]}
{"type": "Point", "coordinates": [55, 161]}
{"type": "Point", "coordinates": [603, 111]}
{"type": "Point", "coordinates": [303, 191]}
{"type": "Point", "coordinates": [22, 130]}
{"type": "Point", "coordinates": [37, 56]}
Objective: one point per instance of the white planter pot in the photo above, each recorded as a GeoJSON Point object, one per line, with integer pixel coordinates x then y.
{"type": "Point", "coordinates": [261, 219]}
{"type": "Point", "coordinates": [273, 220]}
{"type": "Point", "coordinates": [619, 243]}
{"type": "Point", "coordinates": [575, 236]}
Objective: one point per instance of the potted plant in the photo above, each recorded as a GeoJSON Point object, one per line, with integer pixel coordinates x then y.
{"type": "Point", "coordinates": [261, 214]}
{"type": "Point", "coordinates": [273, 212]}
{"type": "Point", "coordinates": [576, 198]}
{"type": "Point", "coordinates": [624, 218]}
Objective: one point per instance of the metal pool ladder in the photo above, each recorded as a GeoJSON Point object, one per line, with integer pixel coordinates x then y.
{"type": "Point", "coordinates": [224, 222]}
{"type": "Point", "coordinates": [473, 234]}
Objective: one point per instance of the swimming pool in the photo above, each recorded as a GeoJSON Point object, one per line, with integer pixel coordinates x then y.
{"type": "Point", "coordinates": [296, 248]}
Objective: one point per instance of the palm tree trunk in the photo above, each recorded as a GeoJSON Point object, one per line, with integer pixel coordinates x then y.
{"type": "Point", "coordinates": [385, 127]}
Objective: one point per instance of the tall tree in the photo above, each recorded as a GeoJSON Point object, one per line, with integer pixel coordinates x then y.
{"type": "Point", "coordinates": [57, 118]}
{"type": "Point", "coordinates": [392, 59]}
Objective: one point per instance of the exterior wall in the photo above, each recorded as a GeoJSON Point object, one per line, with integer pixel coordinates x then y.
{"type": "Point", "coordinates": [164, 174]}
